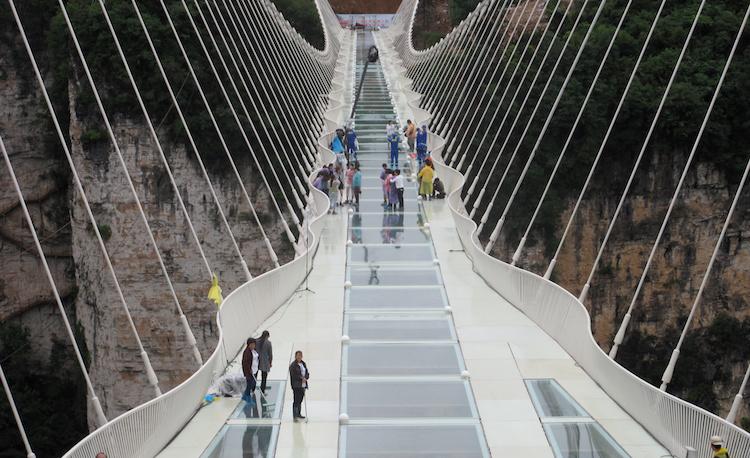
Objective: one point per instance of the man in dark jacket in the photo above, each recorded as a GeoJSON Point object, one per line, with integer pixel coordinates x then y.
{"type": "Point", "coordinates": [249, 369]}
{"type": "Point", "coordinates": [298, 375]}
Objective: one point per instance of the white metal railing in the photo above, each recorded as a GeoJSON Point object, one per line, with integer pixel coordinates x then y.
{"type": "Point", "coordinates": [673, 422]}
{"type": "Point", "coordinates": [145, 430]}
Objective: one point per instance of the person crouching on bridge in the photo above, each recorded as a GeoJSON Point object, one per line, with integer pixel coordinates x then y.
{"type": "Point", "coordinates": [421, 146]}
{"type": "Point", "coordinates": [298, 375]}
{"type": "Point", "coordinates": [717, 446]}
{"type": "Point", "coordinates": [249, 369]}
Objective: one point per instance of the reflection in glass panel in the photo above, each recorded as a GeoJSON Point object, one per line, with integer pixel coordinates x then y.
{"type": "Point", "coordinates": [398, 327]}
{"type": "Point", "coordinates": [582, 440]}
{"type": "Point", "coordinates": [402, 359]}
{"type": "Point", "coordinates": [268, 405]}
{"type": "Point", "coordinates": [410, 205]}
{"type": "Point", "coordinates": [375, 275]}
{"type": "Point", "coordinates": [378, 235]}
{"type": "Point", "coordinates": [387, 219]}
{"type": "Point", "coordinates": [246, 441]}
{"type": "Point", "coordinates": [373, 192]}
{"type": "Point", "coordinates": [410, 441]}
{"type": "Point", "coordinates": [391, 253]}
{"type": "Point", "coordinates": [388, 399]}
{"type": "Point", "coordinates": [396, 298]}
{"type": "Point", "coordinates": [551, 400]}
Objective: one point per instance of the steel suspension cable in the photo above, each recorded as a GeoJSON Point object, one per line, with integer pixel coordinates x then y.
{"type": "Point", "coordinates": [475, 102]}
{"type": "Point", "coordinates": [291, 182]}
{"type": "Point", "coordinates": [14, 410]}
{"type": "Point", "coordinates": [652, 128]}
{"type": "Point", "coordinates": [538, 104]}
{"type": "Point", "coordinates": [498, 109]}
{"type": "Point", "coordinates": [737, 401]}
{"type": "Point", "coordinates": [191, 140]}
{"type": "Point", "coordinates": [298, 91]}
{"type": "Point", "coordinates": [547, 122]}
{"type": "Point", "coordinates": [479, 52]}
{"type": "Point", "coordinates": [151, 375]}
{"type": "Point", "coordinates": [610, 128]}
{"type": "Point", "coordinates": [667, 377]}
{"type": "Point", "coordinates": [521, 81]}
{"type": "Point", "coordinates": [121, 159]}
{"type": "Point", "coordinates": [434, 84]}
{"type": "Point", "coordinates": [592, 86]}
{"type": "Point", "coordinates": [307, 143]}
{"type": "Point", "coordinates": [155, 137]}
{"type": "Point", "coordinates": [100, 418]}
{"type": "Point", "coordinates": [315, 85]}
{"type": "Point", "coordinates": [209, 110]}
{"type": "Point", "coordinates": [287, 112]}
{"type": "Point", "coordinates": [484, 27]}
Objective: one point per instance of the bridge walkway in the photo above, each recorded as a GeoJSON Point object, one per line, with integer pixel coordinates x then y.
{"type": "Point", "coordinates": [436, 363]}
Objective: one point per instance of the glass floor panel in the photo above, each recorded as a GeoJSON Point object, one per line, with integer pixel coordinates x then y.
{"type": "Point", "coordinates": [388, 235]}
{"type": "Point", "coordinates": [374, 275]}
{"type": "Point", "coordinates": [398, 327]}
{"type": "Point", "coordinates": [412, 441]}
{"type": "Point", "coordinates": [396, 298]}
{"type": "Point", "coordinates": [387, 219]}
{"type": "Point", "coordinates": [551, 400]}
{"type": "Point", "coordinates": [245, 441]}
{"type": "Point", "coordinates": [268, 406]}
{"type": "Point", "coordinates": [582, 440]}
{"type": "Point", "coordinates": [401, 359]}
{"type": "Point", "coordinates": [388, 399]}
{"type": "Point", "coordinates": [410, 205]}
{"type": "Point", "coordinates": [410, 192]}
{"type": "Point", "coordinates": [371, 181]}
{"type": "Point", "coordinates": [391, 253]}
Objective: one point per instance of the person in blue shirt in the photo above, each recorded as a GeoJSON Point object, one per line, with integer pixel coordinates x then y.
{"type": "Point", "coordinates": [337, 146]}
{"type": "Point", "coordinates": [421, 146]}
{"type": "Point", "coordinates": [393, 141]}
{"type": "Point", "coordinates": [351, 144]}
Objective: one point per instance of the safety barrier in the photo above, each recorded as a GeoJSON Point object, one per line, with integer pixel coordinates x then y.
{"type": "Point", "coordinates": [145, 430]}
{"type": "Point", "coordinates": [673, 422]}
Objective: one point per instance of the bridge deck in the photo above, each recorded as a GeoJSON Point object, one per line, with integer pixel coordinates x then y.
{"type": "Point", "coordinates": [396, 380]}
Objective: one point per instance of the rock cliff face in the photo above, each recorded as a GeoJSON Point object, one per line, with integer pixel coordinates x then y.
{"type": "Point", "coordinates": [673, 278]}
{"type": "Point", "coordinates": [77, 262]}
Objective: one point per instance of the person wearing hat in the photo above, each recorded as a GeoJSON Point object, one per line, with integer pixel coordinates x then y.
{"type": "Point", "coordinates": [717, 447]}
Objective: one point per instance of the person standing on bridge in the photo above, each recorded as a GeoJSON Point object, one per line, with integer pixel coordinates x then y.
{"type": "Point", "coordinates": [357, 185]}
{"type": "Point", "coordinates": [399, 181]}
{"type": "Point", "coordinates": [351, 144]}
{"type": "Point", "coordinates": [426, 175]}
{"type": "Point", "coordinates": [717, 446]}
{"type": "Point", "coordinates": [421, 146]}
{"type": "Point", "coordinates": [411, 134]}
{"type": "Point", "coordinates": [265, 358]}
{"type": "Point", "coordinates": [298, 376]}
{"type": "Point", "coordinates": [383, 174]}
{"type": "Point", "coordinates": [249, 369]}
{"type": "Point", "coordinates": [393, 141]}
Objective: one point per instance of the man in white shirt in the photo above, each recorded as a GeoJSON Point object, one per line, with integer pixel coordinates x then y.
{"type": "Point", "coordinates": [399, 188]}
{"type": "Point", "coordinates": [249, 369]}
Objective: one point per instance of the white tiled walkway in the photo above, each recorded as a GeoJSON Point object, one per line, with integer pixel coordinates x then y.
{"type": "Point", "coordinates": [502, 347]}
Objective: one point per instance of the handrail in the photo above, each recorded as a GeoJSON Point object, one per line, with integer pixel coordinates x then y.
{"type": "Point", "coordinates": [674, 422]}
{"type": "Point", "coordinates": [145, 430]}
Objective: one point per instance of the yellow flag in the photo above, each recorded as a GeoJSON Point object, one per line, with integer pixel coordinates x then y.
{"type": "Point", "coordinates": [214, 293]}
